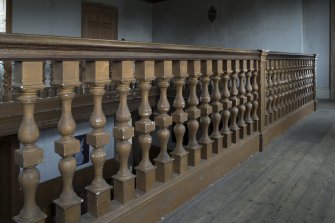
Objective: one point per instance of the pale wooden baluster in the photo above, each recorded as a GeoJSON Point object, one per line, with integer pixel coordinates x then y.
{"type": "Point", "coordinates": [217, 106]}
{"type": "Point", "coordinates": [179, 154]}
{"type": "Point", "coordinates": [235, 102]}
{"type": "Point", "coordinates": [279, 89]}
{"type": "Point", "coordinates": [227, 104]}
{"type": "Point", "coordinates": [270, 87]}
{"type": "Point", "coordinates": [206, 110]}
{"type": "Point", "coordinates": [163, 72]}
{"type": "Point", "coordinates": [275, 90]}
{"type": "Point", "coordinates": [28, 77]}
{"type": "Point", "coordinates": [68, 204]}
{"type": "Point", "coordinates": [243, 99]}
{"type": "Point", "coordinates": [250, 97]}
{"type": "Point", "coordinates": [193, 147]}
{"type": "Point", "coordinates": [255, 76]}
{"type": "Point", "coordinates": [98, 193]}
{"type": "Point", "coordinates": [145, 171]}
{"type": "Point", "coordinates": [124, 180]}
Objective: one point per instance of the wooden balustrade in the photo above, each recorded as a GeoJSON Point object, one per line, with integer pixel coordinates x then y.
{"type": "Point", "coordinates": [252, 93]}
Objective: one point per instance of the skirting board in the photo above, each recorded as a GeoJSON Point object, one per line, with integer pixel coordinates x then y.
{"type": "Point", "coordinates": [165, 198]}
{"type": "Point", "coordinates": [282, 125]}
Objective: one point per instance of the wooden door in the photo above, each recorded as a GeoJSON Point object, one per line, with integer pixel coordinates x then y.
{"type": "Point", "coordinates": [99, 21]}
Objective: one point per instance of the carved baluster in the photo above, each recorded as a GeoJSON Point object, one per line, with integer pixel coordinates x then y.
{"type": "Point", "coordinates": [145, 171]}
{"type": "Point", "coordinates": [275, 90]}
{"type": "Point", "coordinates": [206, 110]}
{"type": "Point", "coordinates": [163, 71]}
{"type": "Point", "coordinates": [28, 77]}
{"type": "Point", "coordinates": [68, 204]}
{"type": "Point", "coordinates": [179, 154]}
{"type": "Point", "coordinates": [124, 180]}
{"type": "Point", "coordinates": [217, 106]}
{"type": "Point", "coordinates": [279, 89]}
{"type": "Point", "coordinates": [52, 90]}
{"type": "Point", "coordinates": [227, 104]}
{"type": "Point", "coordinates": [254, 69]}
{"type": "Point", "coordinates": [270, 87]}
{"type": "Point", "coordinates": [250, 97]}
{"type": "Point", "coordinates": [235, 102]}
{"type": "Point", "coordinates": [286, 87]}
{"type": "Point", "coordinates": [98, 193]}
{"type": "Point", "coordinates": [7, 81]}
{"type": "Point", "coordinates": [243, 99]}
{"type": "Point", "coordinates": [194, 71]}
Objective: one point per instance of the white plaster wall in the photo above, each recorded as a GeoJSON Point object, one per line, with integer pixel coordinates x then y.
{"type": "Point", "coordinates": [63, 18]}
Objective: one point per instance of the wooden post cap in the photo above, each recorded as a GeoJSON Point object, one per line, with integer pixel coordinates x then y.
{"type": "Point", "coordinates": [145, 70]}
{"type": "Point", "coordinates": [217, 67]}
{"type": "Point", "coordinates": [179, 68]}
{"type": "Point", "coordinates": [66, 73]}
{"type": "Point", "coordinates": [97, 72]}
{"type": "Point", "coordinates": [163, 69]}
{"type": "Point", "coordinates": [194, 68]}
{"type": "Point", "coordinates": [28, 75]}
{"type": "Point", "coordinates": [123, 71]}
{"type": "Point", "coordinates": [207, 67]}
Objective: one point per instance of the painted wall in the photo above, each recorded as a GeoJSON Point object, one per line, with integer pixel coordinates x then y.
{"type": "Point", "coordinates": [316, 30]}
{"type": "Point", "coordinates": [63, 18]}
{"type": "Point", "coordinates": [278, 25]}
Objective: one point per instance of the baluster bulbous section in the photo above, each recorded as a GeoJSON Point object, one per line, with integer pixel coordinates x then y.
{"type": "Point", "coordinates": [227, 104]}
{"type": "Point", "coordinates": [145, 171]}
{"type": "Point", "coordinates": [30, 155]}
{"type": "Point", "coordinates": [164, 163]}
{"type": "Point", "coordinates": [98, 193]}
{"type": "Point", "coordinates": [206, 110]}
{"type": "Point", "coordinates": [193, 147]}
{"type": "Point", "coordinates": [217, 106]}
{"type": "Point", "coordinates": [250, 97]}
{"type": "Point", "coordinates": [67, 78]}
{"type": "Point", "coordinates": [179, 154]}
{"type": "Point", "coordinates": [255, 76]}
{"type": "Point", "coordinates": [124, 180]}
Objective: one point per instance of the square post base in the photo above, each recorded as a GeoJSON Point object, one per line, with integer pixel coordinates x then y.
{"type": "Point", "coordinates": [180, 162]}
{"type": "Point", "coordinates": [235, 138]}
{"type": "Point", "coordinates": [243, 131]}
{"type": "Point", "coordinates": [98, 202]}
{"type": "Point", "coordinates": [227, 140]}
{"type": "Point", "coordinates": [124, 189]}
{"type": "Point", "coordinates": [217, 145]}
{"type": "Point", "coordinates": [145, 179]}
{"type": "Point", "coordinates": [206, 150]}
{"type": "Point", "coordinates": [39, 218]}
{"type": "Point", "coordinates": [255, 125]}
{"type": "Point", "coordinates": [164, 170]}
{"type": "Point", "coordinates": [250, 128]}
{"type": "Point", "coordinates": [194, 156]}
{"type": "Point", "coordinates": [68, 212]}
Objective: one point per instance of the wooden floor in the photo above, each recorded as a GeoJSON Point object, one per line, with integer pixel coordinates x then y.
{"type": "Point", "coordinates": [292, 181]}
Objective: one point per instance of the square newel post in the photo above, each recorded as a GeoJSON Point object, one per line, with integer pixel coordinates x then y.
{"type": "Point", "coordinates": [217, 106]}
{"type": "Point", "coordinates": [68, 205]}
{"type": "Point", "coordinates": [235, 102]}
{"type": "Point", "coordinates": [98, 193]}
{"type": "Point", "coordinates": [164, 163]}
{"type": "Point", "coordinates": [28, 77]}
{"type": "Point", "coordinates": [194, 71]}
{"type": "Point", "coordinates": [179, 154]}
{"type": "Point", "coordinates": [145, 171]}
{"type": "Point", "coordinates": [227, 104]}
{"type": "Point", "coordinates": [124, 180]}
{"type": "Point", "coordinates": [206, 110]}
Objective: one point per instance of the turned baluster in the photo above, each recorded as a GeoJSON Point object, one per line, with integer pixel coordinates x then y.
{"type": "Point", "coordinates": [145, 171]}
{"type": "Point", "coordinates": [227, 104]}
{"type": "Point", "coordinates": [250, 97]}
{"type": "Point", "coordinates": [206, 110]}
{"type": "Point", "coordinates": [254, 112]}
{"type": "Point", "coordinates": [28, 77]}
{"type": "Point", "coordinates": [217, 106]}
{"type": "Point", "coordinates": [193, 147]}
{"type": "Point", "coordinates": [163, 72]}
{"type": "Point", "coordinates": [279, 88]}
{"type": "Point", "coordinates": [270, 89]}
{"type": "Point", "coordinates": [67, 78]}
{"type": "Point", "coordinates": [289, 86]}
{"type": "Point", "coordinates": [98, 193]}
{"type": "Point", "coordinates": [179, 154]}
{"type": "Point", "coordinates": [275, 90]}
{"type": "Point", "coordinates": [235, 102]}
{"type": "Point", "coordinates": [243, 99]}
{"type": "Point", "coordinates": [286, 87]}
{"type": "Point", "coordinates": [124, 180]}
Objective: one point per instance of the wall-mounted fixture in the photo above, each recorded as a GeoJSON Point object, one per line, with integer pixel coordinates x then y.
{"type": "Point", "coordinates": [212, 14]}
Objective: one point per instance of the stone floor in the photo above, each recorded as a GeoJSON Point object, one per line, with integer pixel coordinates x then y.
{"type": "Point", "coordinates": [292, 181]}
